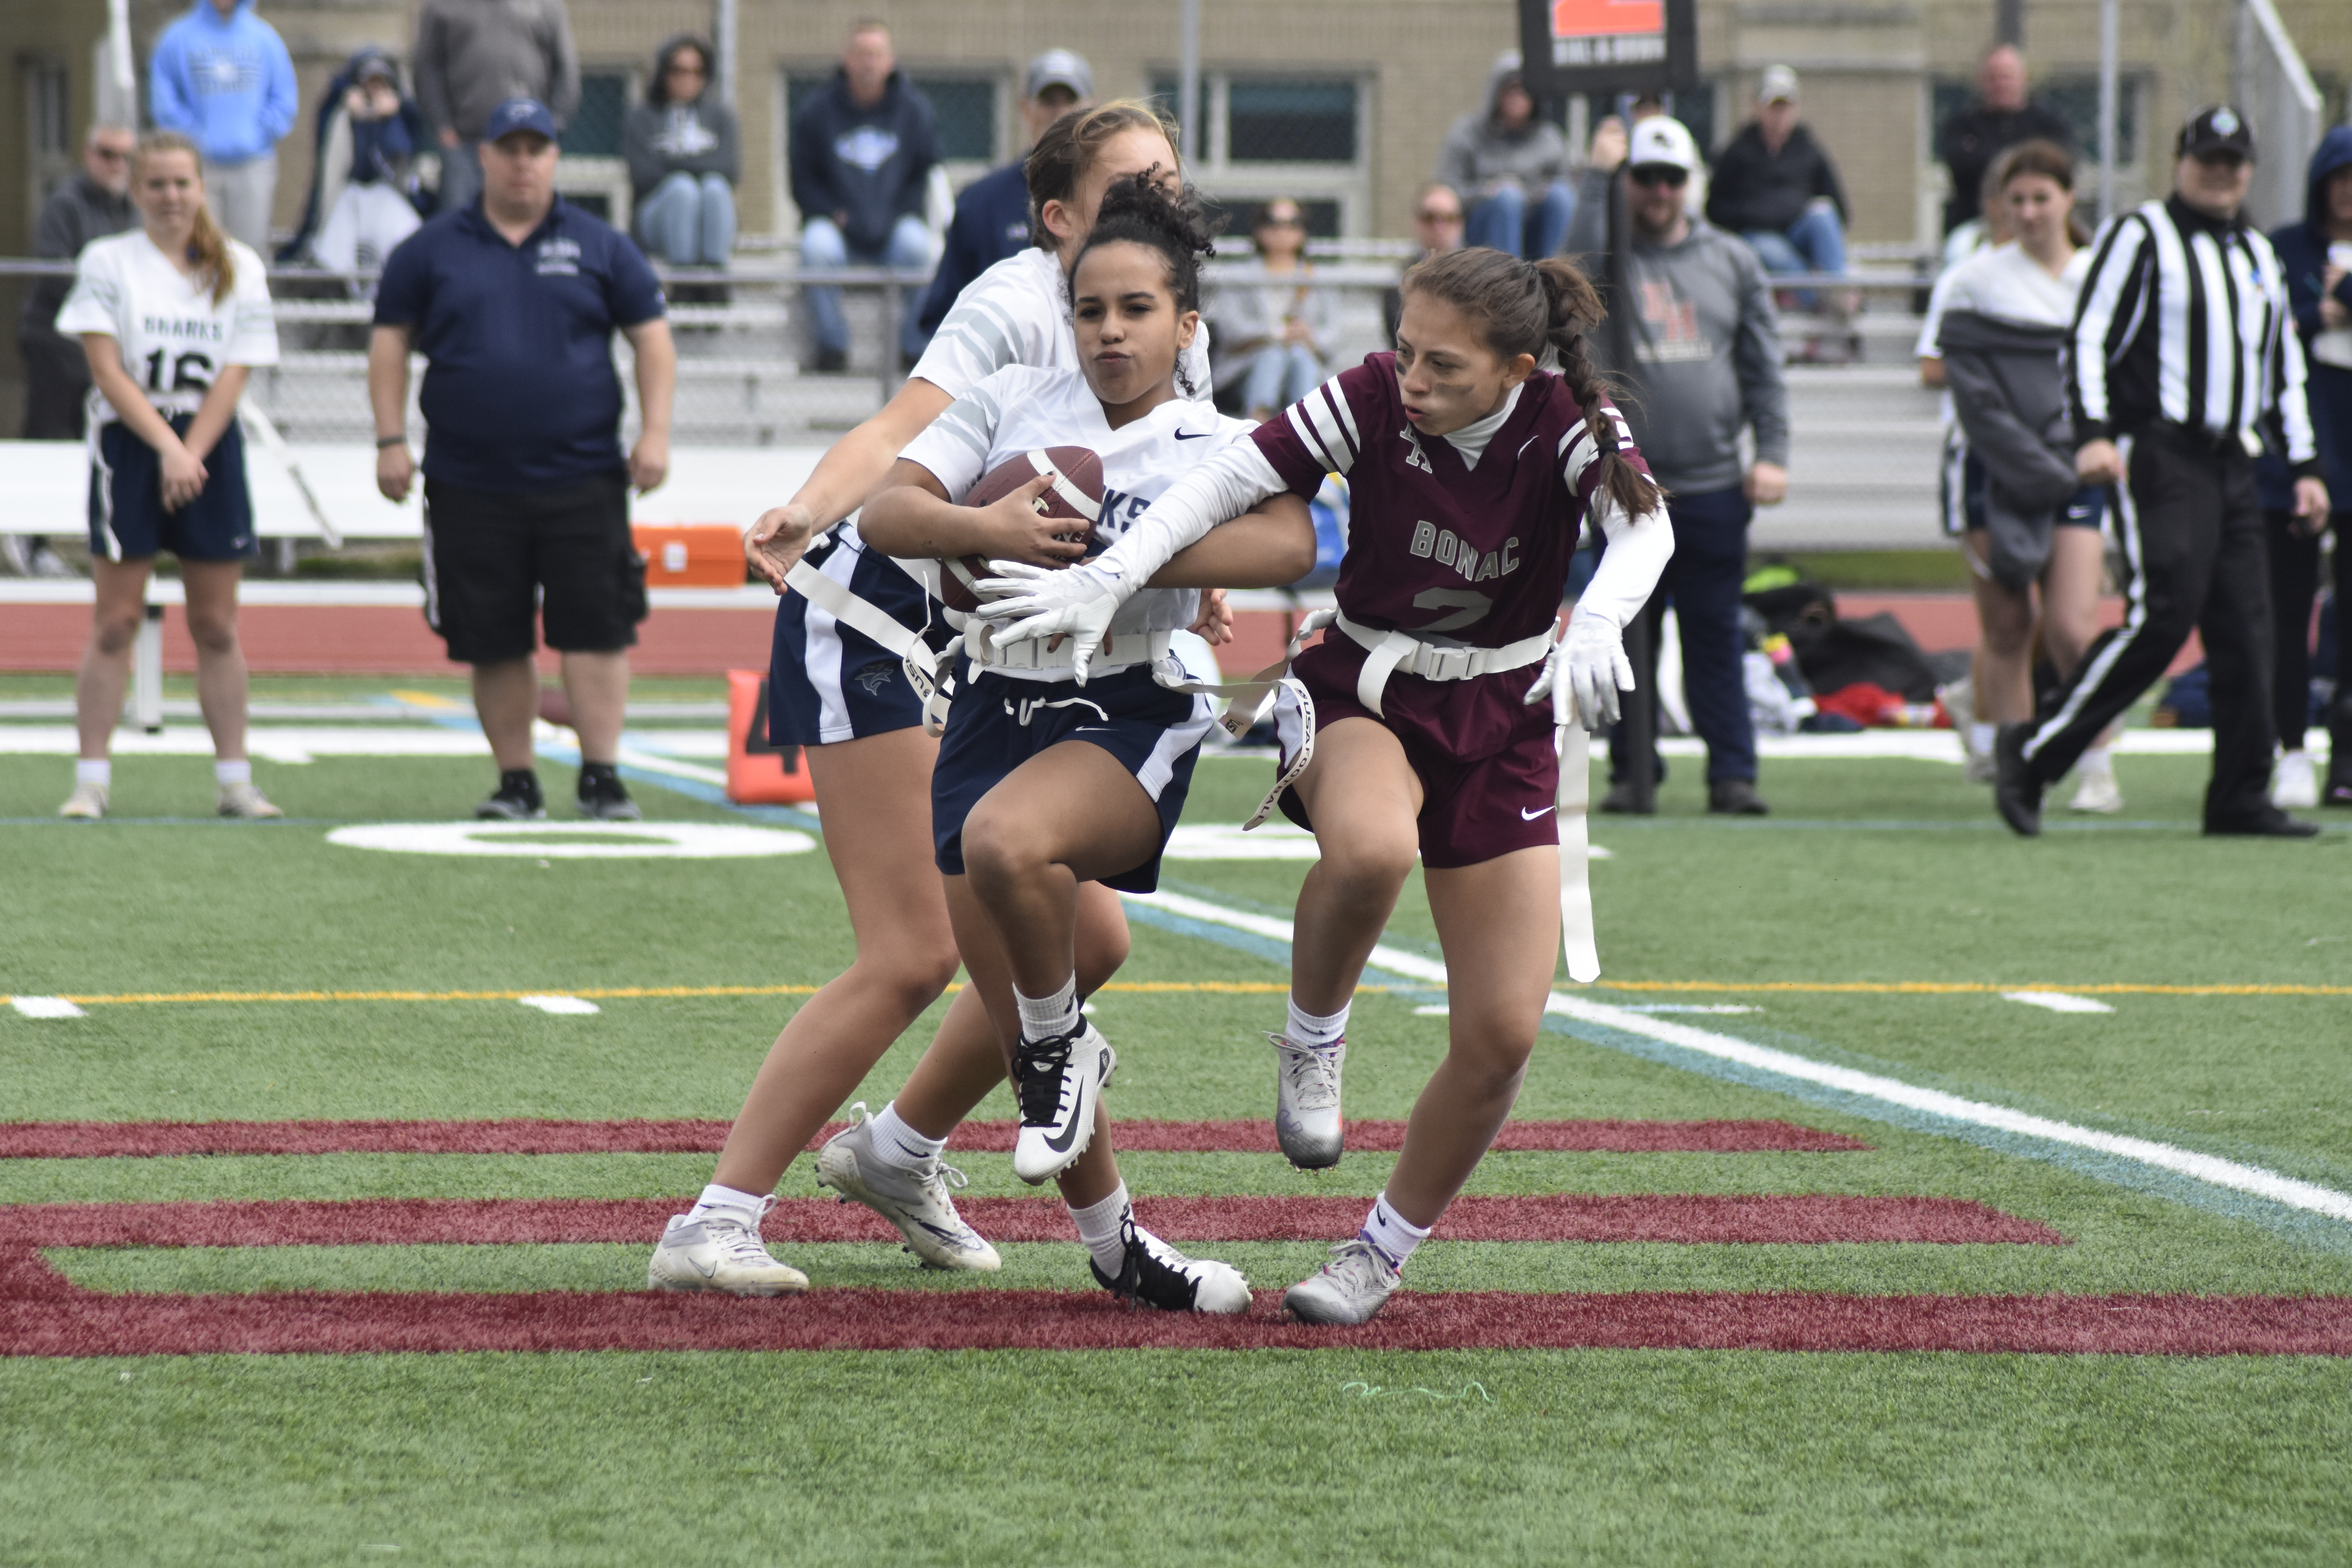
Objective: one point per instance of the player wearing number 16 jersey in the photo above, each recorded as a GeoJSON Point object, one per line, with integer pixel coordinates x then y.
{"type": "Point", "coordinates": [170, 315]}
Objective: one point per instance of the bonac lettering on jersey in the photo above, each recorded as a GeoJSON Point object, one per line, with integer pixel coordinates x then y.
{"type": "Point", "coordinates": [193, 329]}
{"type": "Point", "coordinates": [1432, 542]}
{"type": "Point", "coordinates": [559, 256]}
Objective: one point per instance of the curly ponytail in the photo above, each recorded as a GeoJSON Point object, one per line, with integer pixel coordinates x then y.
{"type": "Point", "coordinates": [1544, 310]}
{"type": "Point", "coordinates": [207, 246]}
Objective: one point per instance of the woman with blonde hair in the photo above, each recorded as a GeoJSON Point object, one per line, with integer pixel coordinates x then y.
{"type": "Point", "coordinates": [172, 316]}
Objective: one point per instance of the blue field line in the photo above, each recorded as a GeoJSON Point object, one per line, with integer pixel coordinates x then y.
{"type": "Point", "coordinates": [2317, 1231]}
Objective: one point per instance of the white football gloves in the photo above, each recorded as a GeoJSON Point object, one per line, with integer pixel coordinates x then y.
{"type": "Point", "coordinates": [1022, 602]}
{"type": "Point", "coordinates": [1584, 674]}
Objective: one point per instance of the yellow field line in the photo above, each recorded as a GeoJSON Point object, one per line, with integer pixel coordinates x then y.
{"type": "Point", "coordinates": [1229, 988]}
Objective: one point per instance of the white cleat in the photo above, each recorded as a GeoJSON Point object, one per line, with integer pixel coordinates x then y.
{"type": "Point", "coordinates": [1960, 700]}
{"type": "Point", "coordinates": [2096, 792]}
{"type": "Point", "coordinates": [720, 1252]}
{"type": "Point", "coordinates": [1155, 1274]}
{"type": "Point", "coordinates": [1058, 1083]}
{"type": "Point", "coordinates": [917, 1202]}
{"type": "Point", "coordinates": [1349, 1288]}
{"type": "Point", "coordinates": [241, 799]}
{"type": "Point", "coordinates": [1307, 1103]}
{"type": "Point", "coordinates": [87, 803]}
{"type": "Point", "coordinates": [2294, 785]}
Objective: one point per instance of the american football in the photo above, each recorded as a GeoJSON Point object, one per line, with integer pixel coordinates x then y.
{"type": "Point", "coordinates": [1076, 495]}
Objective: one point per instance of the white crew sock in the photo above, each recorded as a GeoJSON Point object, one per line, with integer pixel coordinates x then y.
{"type": "Point", "coordinates": [2095, 759]}
{"type": "Point", "coordinates": [898, 1145]}
{"type": "Point", "coordinates": [727, 1201]}
{"type": "Point", "coordinates": [99, 773]}
{"type": "Point", "coordinates": [1320, 1032]}
{"type": "Point", "coordinates": [1390, 1234]}
{"type": "Point", "coordinates": [1099, 1226]}
{"type": "Point", "coordinates": [1981, 738]}
{"type": "Point", "coordinates": [1049, 1017]}
{"type": "Point", "coordinates": [227, 773]}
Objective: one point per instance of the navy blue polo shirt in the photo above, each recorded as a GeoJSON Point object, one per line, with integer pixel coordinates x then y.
{"type": "Point", "coordinates": [520, 390]}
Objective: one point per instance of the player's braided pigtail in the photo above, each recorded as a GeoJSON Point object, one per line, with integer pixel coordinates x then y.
{"type": "Point", "coordinates": [207, 246]}
{"type": "Point", "coordinates": [1574, 309]}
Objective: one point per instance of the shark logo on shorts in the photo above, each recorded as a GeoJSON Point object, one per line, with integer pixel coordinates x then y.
{"type": "Point", "coordinates": [873, 678]}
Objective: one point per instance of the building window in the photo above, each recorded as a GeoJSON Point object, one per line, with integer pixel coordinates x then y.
{"type": "Point", "coordinates": [1300, 137]}
{"type": "Point", "coordinates": [592, 174]}
{"type": "Point", "coordinates": [2077, 100]}
{"type": "Point", "coordinates": [594, 131]}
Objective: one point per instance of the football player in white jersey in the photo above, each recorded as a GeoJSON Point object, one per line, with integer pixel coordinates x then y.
{"type": "Point", "coordinates": [1042, 787]}
{"type": "Point", "coordinates": [171, 316]}
{"type": "Point", "coordinates": [871, 761]}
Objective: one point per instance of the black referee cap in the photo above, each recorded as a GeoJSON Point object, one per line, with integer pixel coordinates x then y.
{"type": "Point", "coordinates": [2218, 129]}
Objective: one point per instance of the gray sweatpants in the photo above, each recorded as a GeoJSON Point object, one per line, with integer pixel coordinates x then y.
{"type": "Point", "coordinates": [239, 196]}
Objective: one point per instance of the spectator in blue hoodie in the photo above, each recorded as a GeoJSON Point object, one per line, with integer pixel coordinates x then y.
{"type": "Point", "coordinates": [2315, 255]}
{"type": "Point", "coordinates": [221, 77]}
{"type": "Point", "coordinates": [861, 164]}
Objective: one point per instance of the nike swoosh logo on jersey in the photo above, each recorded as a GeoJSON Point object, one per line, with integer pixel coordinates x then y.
{"type": "Point", "coordinates": [1526, 816]}
{"type": "Point", "coordinates": [1194, 435]}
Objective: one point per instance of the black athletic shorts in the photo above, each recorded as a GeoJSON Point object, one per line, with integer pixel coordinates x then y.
{"type": "Point", "coordinates": [127, 519]}
{"type": "Point", "coordinates": [494, 557]}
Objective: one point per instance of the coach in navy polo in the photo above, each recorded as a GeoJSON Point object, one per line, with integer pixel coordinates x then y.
{"type": "Point", "coordinates": [513, 303]}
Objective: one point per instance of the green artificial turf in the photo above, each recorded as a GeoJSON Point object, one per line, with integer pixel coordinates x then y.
{"type": "Point", "coordinates": [1175, 1458]}
{"type": "Point", "coordinates": [1874, 871]}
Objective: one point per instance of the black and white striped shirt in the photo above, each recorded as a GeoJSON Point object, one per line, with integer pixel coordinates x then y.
{"type": "Point", "coordinates": [2184, 322]}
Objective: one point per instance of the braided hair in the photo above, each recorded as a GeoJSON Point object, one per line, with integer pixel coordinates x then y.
{"type": "Point", "coordinates": [1138, 210]}
{"type": "Point", "coordinates": [1539, 308]}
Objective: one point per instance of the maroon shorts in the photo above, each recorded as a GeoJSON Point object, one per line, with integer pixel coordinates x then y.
{"type": "Point", "coordinates": [1473, 809]}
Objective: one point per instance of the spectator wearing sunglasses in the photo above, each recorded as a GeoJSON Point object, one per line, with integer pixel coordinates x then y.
{"type": "Point", "coordinates": [1437, 224]}
{"type": "Point", "coordinates": [1705, 366]}
{"type": "Point", "coordinates": [1277, 325]}
{"type": "Point", "coordinates": [1776, 188]}
{"type": "Point", "coordinates": [684, 160]}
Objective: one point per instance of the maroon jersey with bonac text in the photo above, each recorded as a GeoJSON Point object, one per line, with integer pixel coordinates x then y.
{"type": "Point", "coordinates": [1477, 554]}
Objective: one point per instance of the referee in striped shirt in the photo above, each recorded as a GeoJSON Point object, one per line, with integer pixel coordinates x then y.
{"type": "Point", "coordinates": [2183, 359]}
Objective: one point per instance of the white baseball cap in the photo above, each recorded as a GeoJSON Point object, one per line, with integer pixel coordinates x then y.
{"type": "Point", "coordinates": [1777, 83]}
{"type": "Point", "coordinates": [1662, 139]}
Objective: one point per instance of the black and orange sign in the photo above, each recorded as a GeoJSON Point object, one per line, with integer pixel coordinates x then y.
{"type": "Point", "coordinates": [1608, 46]}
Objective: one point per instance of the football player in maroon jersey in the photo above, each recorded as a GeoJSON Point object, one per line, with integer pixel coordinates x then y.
{"type": "Point", "coordinates": [1415, 731]}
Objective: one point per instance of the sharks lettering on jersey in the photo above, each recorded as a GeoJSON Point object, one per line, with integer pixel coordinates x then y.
{"type": "Point", "coordinates": [175, 338]}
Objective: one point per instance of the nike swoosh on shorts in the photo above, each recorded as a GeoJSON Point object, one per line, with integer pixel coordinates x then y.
{"type": "Point", "coordinates": [1526, 816]}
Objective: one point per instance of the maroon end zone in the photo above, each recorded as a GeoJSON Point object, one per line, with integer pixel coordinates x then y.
{"type": "Point", "coordinates": [1805, 1219]}
{"type": "Point", "coordinates": [150, 1139]}
{"type": "Point", "coordinates": [64, 1323]}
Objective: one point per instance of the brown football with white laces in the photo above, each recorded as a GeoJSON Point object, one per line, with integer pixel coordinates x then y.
{"type": "Point", "coordinates": [1076, 496]}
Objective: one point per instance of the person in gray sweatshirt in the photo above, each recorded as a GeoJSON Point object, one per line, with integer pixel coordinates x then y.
{"type": "Point", "coordinates": [472, 56]}
{"type": "Point", "coordinates": [1511, 169]}
{"type": "Point", "coordinates": [684, 159]}
{"type": "Point", "coordinates": [1700, 355]}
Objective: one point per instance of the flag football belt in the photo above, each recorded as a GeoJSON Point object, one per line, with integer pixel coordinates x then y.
{"type": "Point", "coordinates": [1386, 653]}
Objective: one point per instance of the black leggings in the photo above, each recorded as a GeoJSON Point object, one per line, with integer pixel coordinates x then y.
{"type": "Point", "coordinates": [2294, 584]}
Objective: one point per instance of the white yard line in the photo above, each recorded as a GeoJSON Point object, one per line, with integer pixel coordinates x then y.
{"type": "Point", "coordinates": [2208, 1168]}
{"type": "Point", "coordinates": [2056, 1001]}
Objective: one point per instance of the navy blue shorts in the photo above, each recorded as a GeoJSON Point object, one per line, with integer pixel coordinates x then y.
{"type": "Point", "coordinates": [998, 722]}
{"type": "Point", "coordinates": [828, 683]}
{"type": "Point", "coordinates": [2086, 509]}
{"type": "Point", "coordinates": [127, 519]}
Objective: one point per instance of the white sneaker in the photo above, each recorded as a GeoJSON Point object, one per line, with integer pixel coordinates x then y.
{"type": "Point", "coordinates": [917, 1202]}
{"type": "Point", "coordinates": [1058, 1083]}
{"type": "Point", "coordinates": [719, 1252]}
{"type": "Point", "coordinates": [1156, 1275]}
{"type": "Point", "coordinates": [2294, 784]}
{"type": "Point", "coordinates": [88, 801]}
{"type": "Point", "coordinates": [241, 799]}
{"type": "Point", "coordinates": [1959, 699]}
{"type": "Point", "coordinates": [2096, 792]}
{"type": "Point", "coordinates": [1306, 1102]}
{"type": "Point", "coordinates": [1349, 1288]}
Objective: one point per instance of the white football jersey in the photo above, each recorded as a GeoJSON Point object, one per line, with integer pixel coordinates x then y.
{"type": "Point", "coordinates": [1018, 313]}
{"type": "Point", "coordinates": [175, 338]}
{"type": "Point", "coordinates": [1022, 409]}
